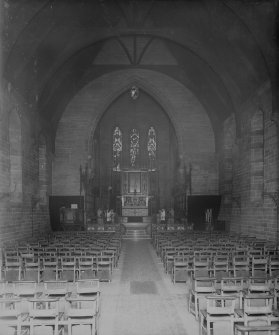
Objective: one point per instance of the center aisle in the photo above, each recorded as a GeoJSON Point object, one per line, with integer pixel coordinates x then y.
{"type": "Point", "coordinates": [141, 299]}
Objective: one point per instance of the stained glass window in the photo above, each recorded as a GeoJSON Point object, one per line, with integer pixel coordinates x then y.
{"type": "Point", "coordinates": [151, 147]}
{"type": "Point", "coordinates": [134, 146]}
{"type": "Point", "coordinates": [117, 148]}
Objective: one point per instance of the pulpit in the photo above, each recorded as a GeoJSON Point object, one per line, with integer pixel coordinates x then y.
{"type": "Point", "coordinates": [71, 218]}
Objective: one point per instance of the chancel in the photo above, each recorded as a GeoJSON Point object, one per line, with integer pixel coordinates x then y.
{"type": "Point", "coordinates": [139, 177]}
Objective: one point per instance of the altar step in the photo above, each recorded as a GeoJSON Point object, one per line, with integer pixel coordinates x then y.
{"type": "Point", "coordinates": [136, 234]}
{"type": "Point", "coordinates": [135, 219]}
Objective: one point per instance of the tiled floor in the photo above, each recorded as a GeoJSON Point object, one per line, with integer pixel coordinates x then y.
{"type": "Point", "coordinates": [141, 299]}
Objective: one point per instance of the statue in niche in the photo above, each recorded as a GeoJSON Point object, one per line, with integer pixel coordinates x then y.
{"type": "Point", "coordinates": [134, 147]}
{"type": "Point", "coordinates": [151, 148]}
{"type": "Point", "coordinates": [117, 148]}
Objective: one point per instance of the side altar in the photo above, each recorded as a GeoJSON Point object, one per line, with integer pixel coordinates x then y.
{"type": "Point", "coordinates": [135, 194]}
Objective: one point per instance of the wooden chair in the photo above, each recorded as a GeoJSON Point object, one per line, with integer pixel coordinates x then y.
{"type": "Point", "coordinates": [91, 288]}
{"type": "Point", "coordinates": [104, 272]}
{"type": "Point", "coordinates": [81, 311]}
{"type": "Point", "coordinates": [273, 265]}
{"type": "Point", "coordinates": [56, 288]}
{"type": "Point", "coordinates": [263, 329]}
{"type": "Point", "coordinates": [233, 286]}
{"type": "Point", "coordinates": [169, 259]}
{"type": "Point", "coordinates": [218, 317]}
{"type": "Point", "coordinates": [201, 287]}
{"type": "Point", "coordinates": [115, 248]}
{"type": "Point", "coordinates": [220, 267]}
{"type": "Point", "coordinates": [51, 251]}
{"type": "Point", "coordinates": [25, 289]}
{"type": "Point", "coordinates": [259, 265]}
{"type": "Point", "coordinates": [68, 268]}
{"type": "Point", "coordinates": [86, 267]}
{"type": "Point", "coordinates": [50, 268]}
{"type": "Point", "coordinates": [110, 253]}
{"type": "Point", "coordinates": [2, 289]}
{"type": "Point", "coordinates": [181, 269]}
{"type": "Point", "coordinates": [12, 268]}
{"type": "Point", "coordinates": [1, 264]}
{"type": "Point", "coordinates": [43, 312]}
{"type": "Point", "coordinates": [201, 266]}
{"type": "Point", "coordinates": [10, 314]}
{"type": "Point", "coordinates": [259, 285]}
{"type": "Point", "coordinates": [240, 266]}
{"type": "Point", "coordinates": [276, 292]}
{"type": "Point", "coordinates": [258, 308]}
{"type": "Point", "coordinates": [31, 267]}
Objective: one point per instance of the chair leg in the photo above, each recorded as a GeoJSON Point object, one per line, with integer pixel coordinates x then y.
{"type": "Point", "coordinates": [200, 325]}
{"type": "Point", "coordinates": [69, 327]}
{"type": "Point", "coordinates": [97, 326]}
{"type": "Point", "coordinates": [208, 327]}
{"type": "Point", "coordinates": [196, 307]}
{"type": "Point", "coordinates": [189, 302]}
{"type": "Point", "coordinates": [56, 327]}
{"type": "Point", "coordinates": [232, 327]}
{"type": "Point", "coordinates": [18, 328]}
{"type": "Point", "coordinates": [31, 326]}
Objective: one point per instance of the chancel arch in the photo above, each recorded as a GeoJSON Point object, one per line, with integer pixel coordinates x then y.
{"type": "Point", "coordinates": [187, 115]}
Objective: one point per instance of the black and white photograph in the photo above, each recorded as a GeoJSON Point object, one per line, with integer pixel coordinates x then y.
{"type": "Point", "coordinates": [139, 167]}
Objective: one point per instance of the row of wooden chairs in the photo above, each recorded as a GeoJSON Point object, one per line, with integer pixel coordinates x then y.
{"type": "Point", "coordinates": [181, 266]}
{"type": "Point", "coordinates": [221, 316]}
{"type": "Point", "coordinates": [59, 251]}
{"type": "Point", "coordinates": [199, 240]}
{"type": "Point", "coordinates": [211, 252]}
{"type": "Point", "coordinates": [29, 306]}
{"type": "Point", "coordinates": [49, 288]}
{"type": "Point", "coordinates": [68, 267]}
{"type": "Point", "coordinates": [225, 274]}
{"type": "Point", "coordinates": [60, 297]}
{"type": "Point", "coordinates": [237, 286]}
{"type": "Point", "coordinates": [220, 258]}
{"type": "Point", "coordinates": [183, 247]}
{"type": "Point", "coordinates": [74, 242]}
{"type": "Point", "coordinates": [43, 314]}
{"type": "Point", "coordinates": [58, 259]}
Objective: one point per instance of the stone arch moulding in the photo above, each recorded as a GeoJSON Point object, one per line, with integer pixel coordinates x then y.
{"type": "Point", "coordinates": [149, 89]}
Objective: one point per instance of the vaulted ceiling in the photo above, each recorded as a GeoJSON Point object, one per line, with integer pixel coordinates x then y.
{"type": "Point", "coordinates": [222, 51]}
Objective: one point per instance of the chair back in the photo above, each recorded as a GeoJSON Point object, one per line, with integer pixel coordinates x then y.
{"type": "Point", "coordinates": [88, 286]}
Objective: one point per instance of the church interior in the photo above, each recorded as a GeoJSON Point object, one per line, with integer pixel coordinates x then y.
{"type": "Point", "coordinates": [139, 178]}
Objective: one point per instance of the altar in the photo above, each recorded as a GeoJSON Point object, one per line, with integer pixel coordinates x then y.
{"type": "Point", "coordinates": [135, 197]}
{"type": "Point", "coordinates": [134, 205]}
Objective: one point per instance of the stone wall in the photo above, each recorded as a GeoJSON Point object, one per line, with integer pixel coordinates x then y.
{"type": "Point", "coordinates": [248, 169]}
{"type": "Point", "coordinates": [23, 213]}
